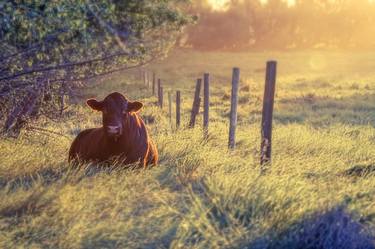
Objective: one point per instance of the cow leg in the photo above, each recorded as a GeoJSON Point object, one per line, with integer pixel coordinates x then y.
{"type": "Point", "coordinates": [152, 158]}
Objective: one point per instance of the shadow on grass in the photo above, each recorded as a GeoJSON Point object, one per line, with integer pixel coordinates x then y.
{"type": "Point", "coordinates": [68, 173]}
{"type": "Point", "coordinates": [360, 171]}
{"type": "Point", "coordinates": [356, 171]}
{"type": "Point", "coordinates": [44, 176]}
{"type": "Point", "coordinates": [138, 240]}
{"type": "Point", "coordinates": [332, 229]}
{"type": "Point", "coordinates": [37, 198]}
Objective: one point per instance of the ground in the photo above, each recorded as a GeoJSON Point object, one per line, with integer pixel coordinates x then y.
{"type": "Point", "coordinates": [319, 191]}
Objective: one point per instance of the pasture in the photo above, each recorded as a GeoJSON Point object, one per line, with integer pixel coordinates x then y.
{"type": "Point", "coordinates": [319, 190]}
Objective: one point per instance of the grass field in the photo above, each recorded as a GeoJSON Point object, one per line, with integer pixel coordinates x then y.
{"type": "Point", "coordinates": [319, 191]}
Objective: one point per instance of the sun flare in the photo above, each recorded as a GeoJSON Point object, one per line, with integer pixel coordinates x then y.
{"type": "Point", "coordinates": [289, 2]}
{"type": "Point", "coordinates": [223, 5]}
{"type": "Point", "coordinates": [219, 5]}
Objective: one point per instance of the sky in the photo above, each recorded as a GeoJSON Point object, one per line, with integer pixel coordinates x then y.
{"type": "Point", "coordinates": [223, 4]}
{"type": "Point", "coordinates": [348, 24]}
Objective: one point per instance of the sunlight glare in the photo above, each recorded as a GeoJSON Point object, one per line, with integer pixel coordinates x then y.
{"type": "Point", "coordinates": [318, 62]}
{"type": "Point", "coordinates": [223, 5]}
{"type": "Point", "coordinates": [219, 5]}
{"type": "Point", "coordinates": [289, 2]}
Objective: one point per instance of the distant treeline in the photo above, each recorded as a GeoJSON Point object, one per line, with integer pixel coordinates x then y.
{"type": "Point", "coordinates": [345, 24]}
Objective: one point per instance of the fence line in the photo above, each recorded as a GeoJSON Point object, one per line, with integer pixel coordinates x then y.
{"type": "Point", "coordinates": [170, 106]}
{"type": "Point", "coordinates": [153, 83]}
{"type": "Point", "coordinates": [267, 112]}
{"type": "Point", "coordinates": [233, 108]}
{"type": "Point", "coordinates": [196, 103]}
{"type": "Point", "coordinates": [158, 89]}
{"type": "Point", "coordinates": [161, 99]}
{"type": "Point", "coordinates": [206, 100]}
{"type": "Point", "coordinates": [268, 102]}
{"type": "Point", "coordinates": [178, 109]}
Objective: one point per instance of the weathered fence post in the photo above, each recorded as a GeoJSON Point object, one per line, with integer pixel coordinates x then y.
{"type": "Point", "coordinates": [196, 103]}
{"type": "Point", "coordinates": [206, 93]}
{"type": "Point", "coordinates": [268, 102]}
{"type": "Point", "coordinates": [153, 83]}
{"type": "Point", "coordinates": [61, 97]}
{"type": "Point", "coordinates": [178, 109]}
{"type": "Point", "coordinates": [158, 88]}
{"type": "Point", "coordinates": [161, 100]}
{"type": "Point", "coordinates": [170, 106]}
{"type": "Point", "coordinates": [233, 108]}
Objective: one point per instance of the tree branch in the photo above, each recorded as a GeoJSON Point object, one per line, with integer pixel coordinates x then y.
{"type": "Point", "coordinates": [62, 66]}
{"type": "Point", "coordinates": [107, 72]}
{"type": "Point", "coordinates": [47, 40]}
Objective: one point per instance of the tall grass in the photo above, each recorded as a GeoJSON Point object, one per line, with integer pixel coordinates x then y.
{"type": "Point", "coordinates": [319, 191]}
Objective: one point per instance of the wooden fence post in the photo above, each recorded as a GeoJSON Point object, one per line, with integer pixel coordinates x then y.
{"type": "Point", "coordinates": [233, 108]}
{"type": "Point", "coordinates": [161, 100]}
{"type": "Point", "coordinates": [196, 103]}
{"type": "Point", "coordinates": [153, 83]}
{"type": "Point", "coordinates": [170, 106]}
{"type": "Point", "coordinates": [206, 93]}
{"type": "Point", "coordinates": [178, 109]}
{"type": "Point", "coordinates": [268, 102]}
{"type": "Point", "coordinates": [61, 97]}
{"type": "Point", "coordinates": [158, 88]}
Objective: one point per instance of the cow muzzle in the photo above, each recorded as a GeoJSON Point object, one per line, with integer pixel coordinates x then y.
{"type": "Point", "coordinates": [114, 131]}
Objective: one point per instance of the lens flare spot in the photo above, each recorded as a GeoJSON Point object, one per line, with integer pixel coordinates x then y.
{"type": "Point", "coordinates": [318, 62]}
{"type": "Point", "coordinates": [289, 2]}
{"type": "Point", "coordinates": [219, 5]}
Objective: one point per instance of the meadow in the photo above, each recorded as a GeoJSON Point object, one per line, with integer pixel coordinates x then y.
{"type": "Point", "coordinates": [319, 191]}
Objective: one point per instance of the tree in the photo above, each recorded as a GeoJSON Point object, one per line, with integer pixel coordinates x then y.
{"type": "Point", "coordinates": [273, 24]}
{"type": "Point", "coordinates": [49, 48]}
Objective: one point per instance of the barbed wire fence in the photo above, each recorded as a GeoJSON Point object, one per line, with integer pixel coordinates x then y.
{"type": "Point", "coordinates": [157, 89]}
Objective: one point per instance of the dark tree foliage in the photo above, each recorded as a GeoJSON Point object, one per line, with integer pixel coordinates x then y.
{"type": "Point", "coordinates": [49, 49]}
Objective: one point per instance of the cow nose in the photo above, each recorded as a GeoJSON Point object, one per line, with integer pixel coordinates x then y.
{"type": "Point", "coordinates": [114, 130]}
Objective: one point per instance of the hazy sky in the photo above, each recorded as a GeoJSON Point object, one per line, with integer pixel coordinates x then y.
{"type": "Point", "coordinates": [223, 4]}
{"type": "Point", "coordinates": [348, 24]}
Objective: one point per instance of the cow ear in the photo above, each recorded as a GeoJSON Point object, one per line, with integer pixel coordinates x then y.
{"type": "Point", "coordinates": [134, 106]}
{"type": "Point", "coordinates": [94, 104]}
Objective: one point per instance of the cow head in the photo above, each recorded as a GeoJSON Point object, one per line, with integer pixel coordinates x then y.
{"type": "Point", "coordinates": [115, 107]}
